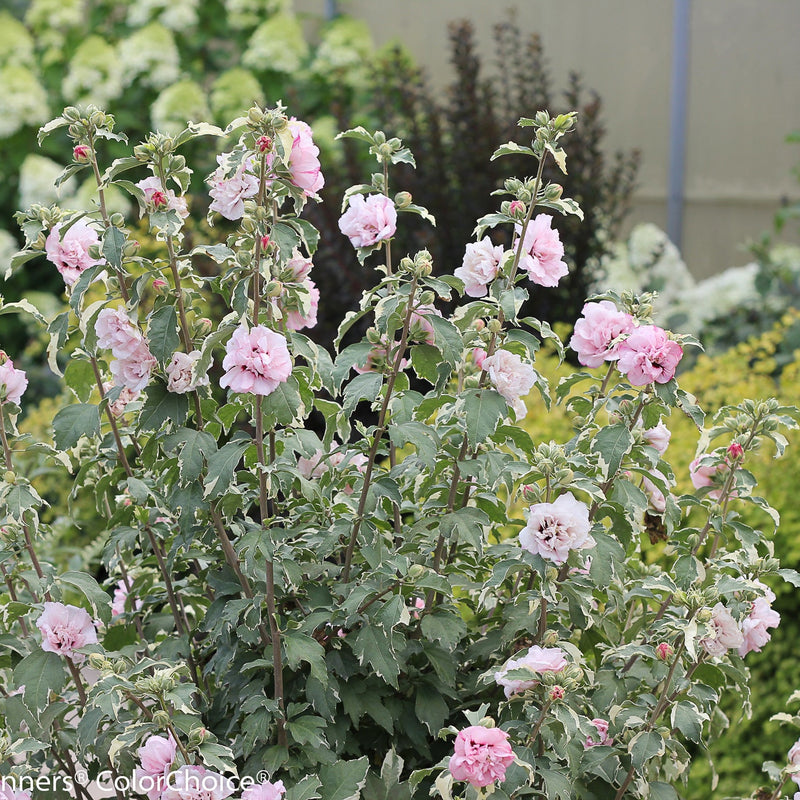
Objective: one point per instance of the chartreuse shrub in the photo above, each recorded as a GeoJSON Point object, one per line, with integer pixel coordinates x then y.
{"type": "Point", "coordinates": [338, 611]}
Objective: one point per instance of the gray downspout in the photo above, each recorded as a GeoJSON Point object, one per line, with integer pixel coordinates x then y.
{"type": "Point", "coordinates": [677, 124]}
{"type": "Point", "coordinates": [330, 10]}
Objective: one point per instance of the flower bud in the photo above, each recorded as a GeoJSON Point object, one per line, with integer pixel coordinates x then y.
{"type": "Point", "coordinates": [98, 119]}
{"type": "Point", "coordinates": [385, 151]}
{"type": "Point", "coordinates": [265, 240]}
{"type": "Point", "coordinates": [161, 718]}
{"type": "Point", "coordinates": [197, 736]}
{"type": "Point", "coordinates": [704, 615]}
{"type": "Point", "coordinates": [159, 199]}
{"type": "Point", "coordinates": [402, 199]}
{"type": "Point", "coordinates": [556, 693]}
{"type": "Point", "coordinates": [379, 137]}
{"type": "Point", "coordinates": [263, 143]}
{"type": "Point", "coordinates": [117, 220]}
{"type": "Point", "coordinates": [274, 289]}
{"type": "Point", "coordinates": [406, 264]}
{"type": "Point", "coordinates": [550, 638]}
{"type": "Point", "coordinates": [735, 451]}
{"type": "Point", "coordinates": [255, 115]}
{"type": "Point", "coordinates": [202, 326]}
{"type": "Point", "coordinates": [487, 722]}
{"type": "Point", "coordinates": [516, 209]}
{"type": "Point", "coordinates": [10, 477]}
{"type": "Point", "coordinates": [415, 572]}
{"type": "Point", "coordinates": [71, 114]}
{"type": "Point", "coordinates": [82, 153]}
{"type": "Point", "coordinates": [663, 651]}
{"type": "Point", "coordinates": [373, 335]}
{"type": "Point", "coordinates": [478, 324]}
{"type": "Point", "coordinates": [41, 241]}
{"type": "Point", "coordinates": [495, 326]}
{"type": "Point", "coordinates": [553, 191]}
{"type": "Point", "coordinates": [161, 286]}
{"type": "Point", "coordinates": [426, 298]}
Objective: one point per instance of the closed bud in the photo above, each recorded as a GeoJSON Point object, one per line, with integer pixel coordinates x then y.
{"type": "Point", "coordinates": [541, 118]}
{"type": "Point", "coordinates": [71, 114]}
{"type": "Point", "coordinates": [274, 289]}
{"type": "Point", "coordinates": [406, 264]}
{"type": "Point", "coordinates": [197, 736]}
{"type": "Point", "coordinates": [556, 693]}
{"type": "Point", "coordinates": [550, 639]}
{"type": "Point", "coordinates": [426, 298]}
{"type": "Point", "coordinates": [415, 572]}
{"type": "Point", "coordinates": [478, 324]}
{"type": "Point", "coordinates": [495, 326]}
{"type": "Point", "coordinates": [524, 195]}
{"type": "Point", "coordinates": [131, 247]}
{"type": "Point", "coordinates": [517, 209]}
{"type": "Point", "coordinates": [373, 335]}
{"type": "Point", "coordinates": [40, 242]}
{"type": "Point", "coordinates": [161, 286]}
{"type": "Point", "coordinates": [141, 152]}
{"type": "Point", "coordinates": [161, 718]}
{"type": "Point", "coordinates": [255, 115]}
{"type": "Point", "coordinates": [379, 137]}
{"type": "Point", "coordinates": [565, 476]}
{"type": "Point", "coordinates": [248, 225]}
{"type": "Point", "coordinates": [704, 615]}
{"type": "Point", "coordinates": [202, 326]}
{"type": "Point", "coordinates": [664, 650]}
{"type": "Point", "coordinates": [10, 477]}
{"type": "Point", "coordinates": [554, 191]}
{"type": "Point", "coordinates": [264, 241]}
{"type": "Point", "coordinates": [82, 153]}
{"type": "Point", "coordinates": [402, 199]}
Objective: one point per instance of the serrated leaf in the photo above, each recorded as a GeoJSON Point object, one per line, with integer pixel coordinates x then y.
{"type": "Point", "coordinates": [40, 673]}
{"type": "Point", "coordinates": [284, 402]}
{"type": "Point", "coordinates": [79, 376]}
{"type": "Point", "coordinates": [25, 306]}
{"type": "Point", "coordinates": [114, 246]}
{"type": "Point", "coordinates": [511, 149]}
{"type": "Point", "coordinates": [305, 789]}
{"type": "Point", "coordinates": [483, 410]}
{"type": "Point", "coordinates": [644, 746]}
{"type": "Point", "coordinates": [688, 719]}
{"type": "Point", "coordinates": [220, 253]}
{"type": "Point", "coordinates": [363, 387]}
{"type": "Point", "coordinates": [221, 467]}
{"type": "Point", "coordinates": [612, 444]}
{"type": "Point", "coordinates": [300, 647]}
{"type": "Point", "coordinates": [343, 780]}
{"type": "Point", "coordinates": [162, 406]}
{"type": "Point", "coordinates": [373, 646]}
{"type": "Point", "coordinates": [91, 590]}
{"type": "Point", "coordinates": [162, 333]}
{"type": "Point", "coordinates": [74, 421]}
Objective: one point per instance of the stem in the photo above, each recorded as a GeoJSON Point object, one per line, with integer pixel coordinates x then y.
{"type": "Point", "coordinates": [373, 452]}
{"type": "Point", "coordinates": [275, 634]}
{"type": "Point", "coordinates": [13, 595]}
{"type": "Point", "coordinates": [174, 733]}
{"type": "Point", "coordinates": [388, 241]}
{"type": "Point", "coordinates": [114, 429]}
{"type": "Point", "coordinates": [104, 213]}
{"type": "Point", "coordinates": [76, 677]}
{"type": "Point", "coordinates": [535, 732]}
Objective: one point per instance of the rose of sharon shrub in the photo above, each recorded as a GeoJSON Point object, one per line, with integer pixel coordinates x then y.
{"type": "Point", "coordinates": [324, 555]}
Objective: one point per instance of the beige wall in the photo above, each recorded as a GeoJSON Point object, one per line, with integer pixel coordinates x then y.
{"type": "Point", "coordinates": [743, 95]}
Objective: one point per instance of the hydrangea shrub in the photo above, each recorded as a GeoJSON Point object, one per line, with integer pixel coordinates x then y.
{"type": "Point", "coordinates": [318, 584]}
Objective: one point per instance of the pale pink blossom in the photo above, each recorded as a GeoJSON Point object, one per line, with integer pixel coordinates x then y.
{"type": "Point", "coordinates": [13, 381]}
{"type": "Point", "coordinates": [125, 396]}
{"type": "Point", "coordinates": [479, 356]}
{"type": "Point", "coordinates": [648, 355]}
{"type": "Point", "coordinates": [654, 495]}
{"type": "Point", "coordinates": [304, 166]}
{"type": "Point", "coordinates": [192, 782]}
{"type": "Point", "coordinates": [761, 617]}
{"type": "Point", "coordinates": [597, 333]}
{"type": "Point", "coordinates": [794, 761]}
{"type": "Point", "coordinates": [480, 266]}
{"type": "Point", "coordinates": [536, 660]}
{"type": "Point", "coordinates": [380, 358]}
{"type": "Point", "coordinates": [134, 370]}
{"type": "Point", "coordinates": [313, 466]}
{"type": "Point", "coordinates": [368, 221]}
{"type": "Point", "coordinates": [318, 464]}
{"type": "Point", "coordinates": [710, 474]}
{"type": "Point", "coordinates": [481, 756]}
{"type": "Point", "coordinates": [120, 598]}
{"type": "Point", "coordinates": [511, 377]}
{"type": "Point", "coordinates": [70, 254]}
{"type": "Point", "coordinates": [725, 633]}
{"type": "Point", "coordinates": [179, 373]}
{"type": "Point", "coordinates": [117, 333]}
{"type": "Point", "coordinates": [257, 361]}
{"type": "Point", "coordinates": [542, 252]}
{"type": "Point", "coordinates": [601, 726]}
{"type": "Point", "coordinates": [264, 791]}
{"type": "Point", "coordinates": [65, 628]}
{"type": "Point", "coordinates": [7, 789]}
{"type": "Point", "coordinates": [556, 529]}
{"type": "Point", "coordinates": [298, 267]}
{"type": "Point", "coordinates": [229, 193]}
{"type": "Point", "coordinates": [156, 196]}
{"type": "Point", "coordinates": [658, 437]}
{"type": "Point", "coordinates": [296, 317]}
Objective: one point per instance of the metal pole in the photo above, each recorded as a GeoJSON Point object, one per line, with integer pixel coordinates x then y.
{"type": "Point", "coordinates": [677, 124]}
{"type": "Point", "coordinates": [330, 9]}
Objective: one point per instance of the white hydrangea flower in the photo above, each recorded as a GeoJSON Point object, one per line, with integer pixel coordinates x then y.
{"type": "Point", "coordinates": [346, 44]}
{"type": "Point", "coordinates": [151, 55]}
{"type": "Point", "coordinates": [277, 45]}
{"type": "Point", "coordinates": [50, 20]}
{"type": "Point", "coordinates": [177, 104]}
{"type": "Point", "coordinates": [36, 177]}
{"type": "Point", "coordinates": [94, 75]}
{"type": "Point", "coordinates": [248, 13]}
{"type": "Point", "coordinates": [23, 100]}
{"type": "Point", "coordinates": [233, 92]}
{"type": "Point", "coordinates": [177, 15]}
{"type": "Point", "coordinates": [16, 44]}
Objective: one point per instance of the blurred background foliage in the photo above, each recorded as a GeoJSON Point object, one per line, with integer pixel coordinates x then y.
{"type": "Point", "coordinates": [157, 63]}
